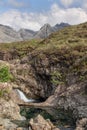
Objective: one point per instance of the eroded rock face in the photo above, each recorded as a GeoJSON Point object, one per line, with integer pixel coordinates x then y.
{"type": "Point", "coordinates": [34, 75]}
{"type": "Point", "coordinates": [39, 123]}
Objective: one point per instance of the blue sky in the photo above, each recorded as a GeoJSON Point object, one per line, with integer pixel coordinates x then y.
{"type": "Point", "coordinates": [36, 5]}
{"type": "Point", "coordinates": [33, 14]}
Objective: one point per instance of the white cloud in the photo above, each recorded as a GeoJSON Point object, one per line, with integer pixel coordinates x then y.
{"type": "Point", "coordinates": [84, 5]}
{"type": "Point", "coordinates": [67, 3]}
{"type": "Point", "coordinates": [34, 21]}
{"type": "Point", "coordinates": [15, 3]}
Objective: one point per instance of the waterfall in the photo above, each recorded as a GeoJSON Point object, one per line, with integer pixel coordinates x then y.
{"type": "Point", "coordinates": [23, 97]}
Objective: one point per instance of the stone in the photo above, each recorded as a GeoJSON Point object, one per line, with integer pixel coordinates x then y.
{"type": "Point", "coordinates": [81, 124]}
{"type": "Point", "coordinates": [39, 123]}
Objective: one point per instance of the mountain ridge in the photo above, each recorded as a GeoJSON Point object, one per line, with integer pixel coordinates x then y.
{"type": "Point", "coordinates": [8, 34]}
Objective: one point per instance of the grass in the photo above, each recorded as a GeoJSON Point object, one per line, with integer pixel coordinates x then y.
{"type": "Point", "coordinates": [56, 78]}
{"type": "Point", "coordinates": [66, 48]}
{"type": "Point", "coordinates": [5, 75]}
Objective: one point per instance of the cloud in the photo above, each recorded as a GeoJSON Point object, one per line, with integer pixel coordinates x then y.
{"type": "Point", "coordinates": [67, 3]}
{"type": "Point", "coordinates": [16, 4]}
{"type": "Point", "coordinates": [34, 21]}
{"type": "Point", "coordinates": [84, 5]}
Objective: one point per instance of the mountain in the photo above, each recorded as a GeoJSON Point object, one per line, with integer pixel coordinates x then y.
{"type": "Point", "coordinates": [26, 34]}
{"type": "Point", "coordinates": [8, 34]}
{"type": "Point", "coordinates": [47, 29]}
{"type": "Point", "coordinates": [60, 26]}
{"type": "Point", "coordinates": [44, 31]}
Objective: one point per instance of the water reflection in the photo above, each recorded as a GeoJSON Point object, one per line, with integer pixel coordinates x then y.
{"type": "Point", "coordinates": [60, 118]}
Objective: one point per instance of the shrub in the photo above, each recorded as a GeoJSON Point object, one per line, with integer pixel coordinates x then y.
{"type": "Point", "coordinates": [56, 78]}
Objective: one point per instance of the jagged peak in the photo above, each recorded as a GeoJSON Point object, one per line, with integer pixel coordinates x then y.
{"type": "Point", "coordinates": [45, 26]}
{"type": "Point", "coordinates": [62, 24]}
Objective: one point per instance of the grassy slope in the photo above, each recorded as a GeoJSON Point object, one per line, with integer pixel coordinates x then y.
{"type": "Point", "coordinates": [70, 37]}
{"type": "Point", "coordinates": [67, 47]}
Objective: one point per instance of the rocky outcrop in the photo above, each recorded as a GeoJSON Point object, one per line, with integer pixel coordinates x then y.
{"type": "Point", "coordinates": [9, 110]}
{"type": "Point", "coordinates": [81, 124]}
{"type": "Point", "coordinates": [39, 123]}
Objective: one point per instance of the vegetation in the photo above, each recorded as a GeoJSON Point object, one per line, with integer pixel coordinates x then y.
{"type": "Point", "coordinates": [66, 48]}
{"type": "Point", "coordinates": [33, 112]}
{"type": "Point", "coordinates": [56, 78]}
{"type": "Point", "coordinates": [59, 116]}
{"type": "Point", "coordinates": [5, 75]}
{"type": "Point", "coordinates": [3, 92]}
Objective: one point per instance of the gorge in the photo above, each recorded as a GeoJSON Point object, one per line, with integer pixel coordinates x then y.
{"type": "Point", "coordinates": [52, 71]}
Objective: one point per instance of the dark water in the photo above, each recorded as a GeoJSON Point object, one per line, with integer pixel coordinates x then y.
{"type": "Point", "coordinates": [59, 117]}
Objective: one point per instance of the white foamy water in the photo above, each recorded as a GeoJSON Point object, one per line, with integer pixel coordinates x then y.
{"type": "Point", "coordinates": [23, 97]}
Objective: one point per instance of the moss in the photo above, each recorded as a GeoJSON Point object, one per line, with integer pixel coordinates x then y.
{"type": "Point", "coordinates": [5, 75]}
{"type": "Point", "coordinates": [56, 78]}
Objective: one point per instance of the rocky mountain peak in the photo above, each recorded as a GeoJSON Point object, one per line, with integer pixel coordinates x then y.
{"type": "Point", "coordinates": [44, 31]}
{"type": "Point", "coordinates": [46, 26]}
{"type": "Point", "coordinates": [60, 26]}
{"type": "Point", "coordinates": [8, 34]}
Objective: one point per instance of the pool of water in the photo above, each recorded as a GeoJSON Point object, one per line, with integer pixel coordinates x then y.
{"type": "Point", "coordinates": [60, 118]}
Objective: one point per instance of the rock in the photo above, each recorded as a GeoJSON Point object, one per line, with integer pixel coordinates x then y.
{"type": "Point", "coordinates": [8, 108]}
{"type": "Point", "coordinates": [81, 124]}
{"type": "Point", "coordinates": [19, 128]}
{"type": "Point", "coordinates": [1, 127]}
{"type": "Point", "coordinates": [39, 123]}
{"type": "Point", "coordinates": [7, 124]}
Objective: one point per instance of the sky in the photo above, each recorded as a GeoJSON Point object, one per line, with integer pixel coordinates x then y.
{"type": "Point", "coordinates": [32, 14]}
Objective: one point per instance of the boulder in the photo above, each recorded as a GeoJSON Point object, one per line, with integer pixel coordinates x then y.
{"type": "Point", "coordinates": [82, 124]}
{"type": "Point", "coordinates": [39, 123]}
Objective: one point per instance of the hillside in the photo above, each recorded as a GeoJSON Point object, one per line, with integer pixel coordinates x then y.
{"type": "Point", "coordinates": [53, 70]}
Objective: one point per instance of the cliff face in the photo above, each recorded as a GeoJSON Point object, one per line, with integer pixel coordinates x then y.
{"type": "Point", "coordinates": [9, 110]}
{"type": "Point", "coordinates": [54, 70]}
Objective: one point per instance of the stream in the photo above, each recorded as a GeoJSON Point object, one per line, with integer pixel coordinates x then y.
{"type": "Point", "coordinates": [59, 117]}
{"type": "Point", "coordinates": [23, 97]}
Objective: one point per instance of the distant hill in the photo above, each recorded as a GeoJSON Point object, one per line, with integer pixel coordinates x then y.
{"type": "Point", "coordinates": [8, 34]}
